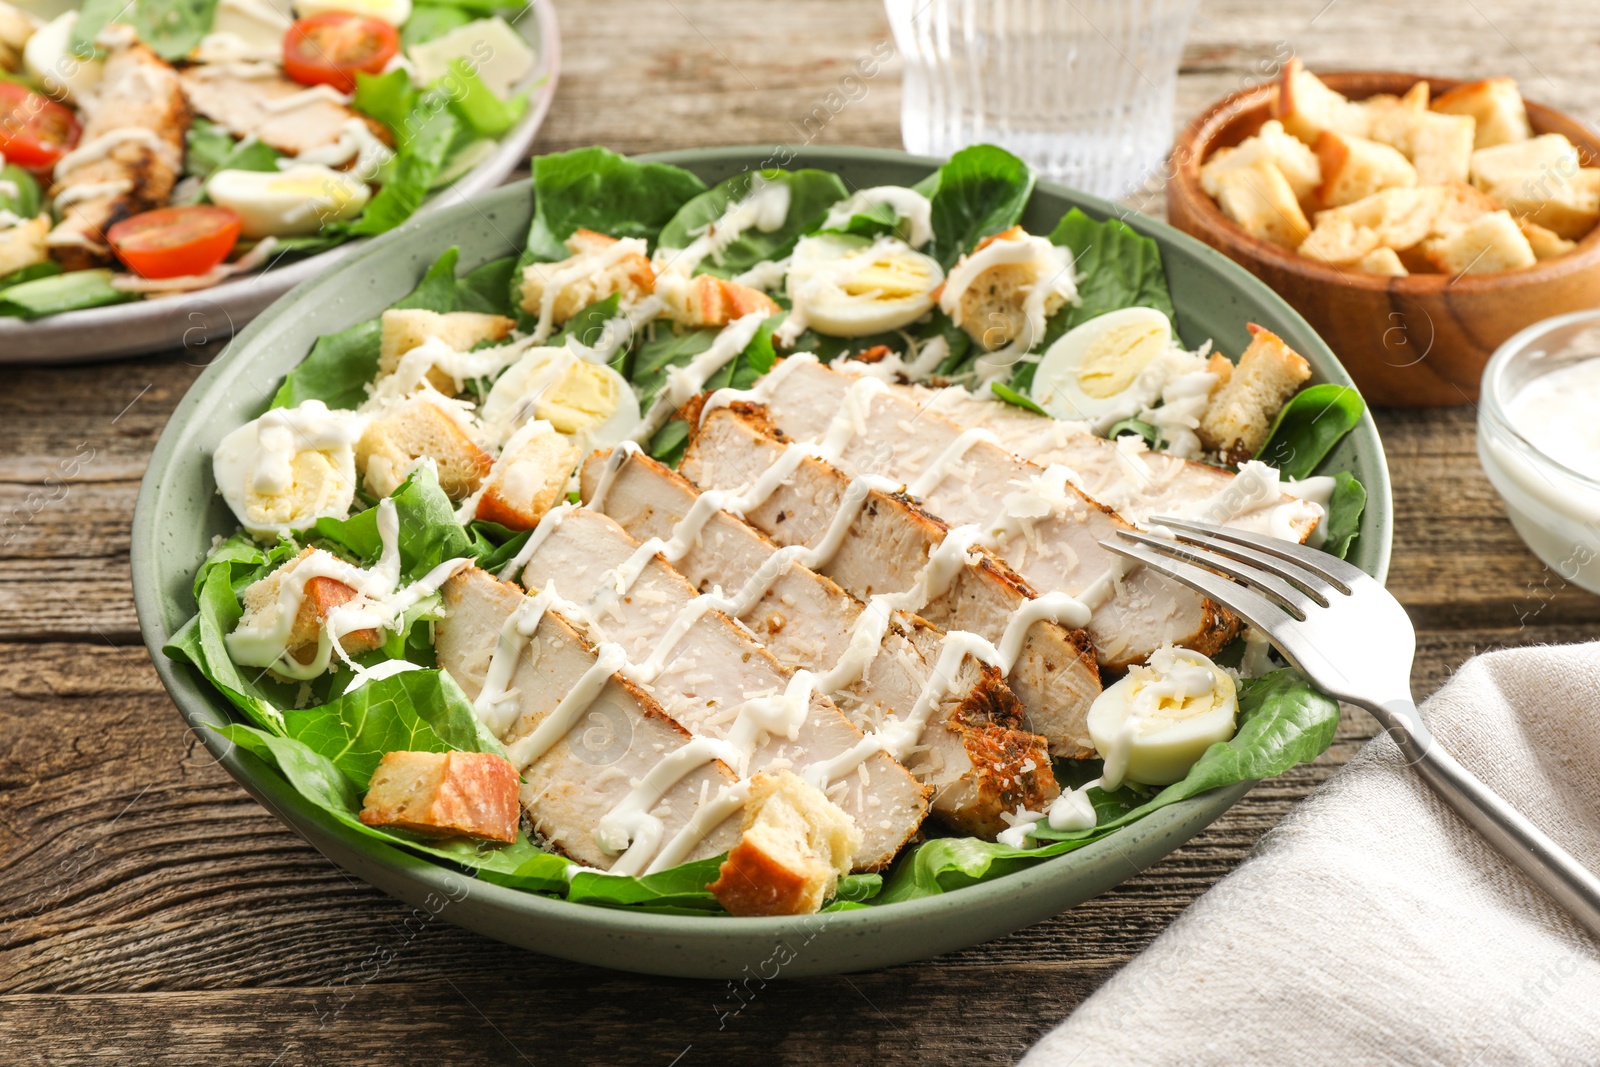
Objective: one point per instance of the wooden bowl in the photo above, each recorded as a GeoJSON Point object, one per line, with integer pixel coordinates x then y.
{"type": "Point", "coordinates": [1421, 340]}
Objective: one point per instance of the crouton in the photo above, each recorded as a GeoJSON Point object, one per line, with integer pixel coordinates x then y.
{"type": "Point", "coordinates": [322, 595]}
{"type": "Point", "coordinates": [1394, 218]}
{"type": "Point", "coordinates": [795, 846]}
{"type": "Point", "coordinates": [1569, 206]}
{"type": "Point", "coordinates": [528, 478]}
{"type": "Point", "coordinates": [1547, 159]}
{"type": "Point", "coordinates": [1296, 162]}
{"type": "Point", "coordinates": [406, 328]}
{"type": "Point", "coordinates": [23, 245]}
{"type": "Point", "coordinates": [1488, 243]}
{"type": "Point", "coordinates": [596, 269]}
{"type": "Point", "coordinates": [1354, 168]}
{"type": "Point", "coordinates": [1438, 146]}
{"type": "Point", "coordinates": [1259, 198]}
{"type": "Point", "coordinates": [393, 442]}
{"type": "Point", "coordinates": [1382, 260]}
{"type": "Point", "coordinates": [1306, 107]}
{"type": "Point", "coordinates": [995, 302]}
{"type": "Point", "coordinates": [1496, 108]}
{"type": "Point", "coordinates": [1546, 244]}
{"type": "Point", "coordinates": [1221, 366]}
{"type": "Point", "coordinates": [1459, 204]}
{"type": "Point", "coordinates": [706, 300]}
{"type": "Point", "coordinates": [15, 29]}
{"type": "Point", "coordinates": [1236, 421]}
{"type": "Point", "coordinates": [445, 794]}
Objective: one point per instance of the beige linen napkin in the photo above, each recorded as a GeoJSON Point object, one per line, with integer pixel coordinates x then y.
{"type": "Point", "coordinates": [1372, 926]}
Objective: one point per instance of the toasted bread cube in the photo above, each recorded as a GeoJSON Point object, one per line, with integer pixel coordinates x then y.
{"type": "Point", "coordinates": [23, 245]}
{"type": "Point", "coordinates": [406, 328]}
{"type": "Point", "coordinates": [322, 595]}
{"type": "Point", "coordinates": [1382, 260]}
{"type": "Point", "coordinates": [1306, 107]}
{"type": "Point", "coordinates": [1488, 243]}
{"type": "Point", "coordinates": [1546, 244]}
{"type": "Point", "coordinates": [1496, 108]}
{"type": "Point", "coordinates": [1549, 156]}
{"type": "Point", "coordinates": [1394, 218]}
{"type": "Point", "coordinates": [706, 300]}
{"type": "Point", "coordinates": [392, 444]}
{"type": "Point", "coordinates": [993, 311]}
{"type": "Point", "coordinates": [1296, 162]}
{"type": "Point", "coordinates": [529, 477]}
{"type": "Point", "coordinates": [1459, 204]}
{"type": "Point", "coordinates": [1569, 206]}
{"type": "Point", "coordinates": [1438, 146]}
{"type": "Point", "coordinates": [1221, 366]}
{"type": "Point", "coordinates": [795, 846]}
{"type": "Point", "coordinates": [1236, 422]}
{"type": "Point", "coordinates": [445, 794]}
{"type": "Point", "coordinates": [1259, 198]}
{"type": "Point", "coordinates": [630, 274]}
{"type": "Point", "coordinates": [1354, 168]}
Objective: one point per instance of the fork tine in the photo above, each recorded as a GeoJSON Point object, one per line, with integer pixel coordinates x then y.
{"type": "Point", "coordinates": [1293, 599]}
{"type": "Point", "coordinates": [1313, 585]}
{"type": "Point", "coordinates": [1257, 610]}
{"type": "Point", "coordinates": [1337, 572]}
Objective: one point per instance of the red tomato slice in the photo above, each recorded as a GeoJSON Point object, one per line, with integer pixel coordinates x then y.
{"type": "Point", "coordinates": [171, 242]}
{"type": "Point", "coordinates": [35, 131]}
{"type": "Point", "coordinates": [330, 48]}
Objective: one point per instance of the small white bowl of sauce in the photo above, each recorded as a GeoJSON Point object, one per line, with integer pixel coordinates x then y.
{"type": "Point", "coordinates": [1539, 440]}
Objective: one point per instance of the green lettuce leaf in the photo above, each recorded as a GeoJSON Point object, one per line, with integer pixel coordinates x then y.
{"type": "Point", "coordinates": [429, 21]}
{"type": "Point", "coordinates": [169, 28]}
{"type": "Point", "coordinates": [1283, 721]}
{"type": "Point", "coordinates": [811, 194]}
{"type": "Point", "coordinates": [27, 200]}
{"type": "Point", "coordinates": [1016, 399]}
{"type": "Point", "coordinates": [597, 189]}
{"type": "Point", "coordinates": [32, 272]}
{"type": "Point", "coordinates": [51, 295]}
{"type": "Point", "coordinates": [416, 164]}
{"type": "Point", "coordinates": [389, 98]}
{"type": "Point", "coordinates": [210, 148]}
{"type": "Point", "coordinates": [1345, 506]}
{"type": "Point", "coordinates": [1309, 426]}
{"type": "Point", "coordinates": [474, 103]}
{"type": "Point", "coordinates": [341, 364]}
{"type": "Point", "coordinates": [485, 289]}
{"type": "Point", "coordinates": [980, 191]}
{"type": "Point", "coordinates": [429, 534]}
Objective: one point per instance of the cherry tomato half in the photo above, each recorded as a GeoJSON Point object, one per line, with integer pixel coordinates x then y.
{"type": "Point", "coordinates": [35, 131]}
{"type": "Point", "coordinates": [171, 242]}
{"type": "Point", "coordinates": [330, 48]}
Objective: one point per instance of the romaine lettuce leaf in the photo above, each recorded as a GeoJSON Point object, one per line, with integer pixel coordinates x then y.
{"type": "Point", "coordinates": [51, 295]}
{"type": "Point", "coordinates": [412, 173]}
{"type": "Point", "coordinates": [210, 148]}
{"type": "Point", "coordinates": [597, 189]}
{"type": "Point", "coordinates": [429, 534]}
{"type": "Point", "coordinates": [169, 28]}
{"type": "Point", "coordinates": [26, 201]}
{"type": "Point", "coordinates": [811, 194]}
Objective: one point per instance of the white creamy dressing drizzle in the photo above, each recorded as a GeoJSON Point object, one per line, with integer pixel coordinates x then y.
{"type": "Point", "coordinates": [187, 283]}
{"type": "Point", "coordinates": [1054, 267]}
{"type": "Point", "coordinates": [356, 142]}
{"type": "Point", "coordinates": [304, 98]}
{"type": "Point", "coordinates": [281, 433]}
{"type": "Point", "coordinates": [91, 191]}
{"type": "Point", "coordinates": [764, 208]}
{"type": "Point", "coordinates": [684, 382]}
{"type": "Point", "coordinates": [1173, 679]}
{"type": "Point", "coordinates": [577, 269]}
{"type": "Point", "coordinates": [246, 69]}
{"type": "Point", "coordinates": [261, 640]}
{"type": "Point", "coordinates": [766, 275]}
{"type": "Point", "coordinates": [92, 151]}
{"type": "Point", "coordinates": [911, 206]}
{"type": "Point", "coordinates": [1257, 488]}
{"type": "Point", "coordinates": [10, 219]}
{"type": "Point", "coordinates": [822, 269]}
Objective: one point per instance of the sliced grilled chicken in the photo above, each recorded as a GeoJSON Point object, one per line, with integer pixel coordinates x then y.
{"type": "Point", "coordinates": [127, 159]}
{"type": "Point", "coordinates": [1138, 484]}
{"type": "Point", "coordinates": [622, 734]}
{"type": "Point", "coordinates": [974, 755]}
{"type": "Point", "coordinates": [281, 113]}
{"type": "Point", "coordinates": [885, 550]}
{"type": "Point", "coordinates": [1033, 517]}
{"type": "Point", "coordinates": [710, 671]}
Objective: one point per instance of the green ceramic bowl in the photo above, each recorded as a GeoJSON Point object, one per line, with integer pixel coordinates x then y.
{"type": "Point", "coordinates": [179, 512]}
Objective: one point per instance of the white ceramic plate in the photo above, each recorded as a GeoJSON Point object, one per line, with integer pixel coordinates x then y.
{"type": "Point", "coordinates": [214, 314]}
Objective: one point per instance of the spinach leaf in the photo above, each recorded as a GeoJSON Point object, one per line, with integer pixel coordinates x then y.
{"type": "Point", "coordinates": [1309, 426]}
{"type": "Point", "coordinates": [980, 191]}
{"type": "Point", "coordinates": [210, 148]}
{"type": "Point", "coordinates": [26, 201]}
{"type": "Point", "coordinates": [52, 295]}
{"type": "Point", "coordinates": [668, 350]}
{"type": "Point", "coordinates": [1011, 396]}
{"type": "Point", "coordinates": [1345, 506]}
{"type": "Point", "coordinates": [495, 545]}
{"type": "Point", "coordinates": [597, 189]}
{"type": "Point", "coordinates": [811, 194]}
{"type": "Point", "coordinates": [1116, 268]}
{"type": "Point", "coordinates": [588, 326]}
{"type": "Point", "coordinates": [1151, 435]}
{"type": "Point", "coordinates": [169, 28]}
{"type": "Point", "coordinates": [412, 173]}
{"type": "Point", "coordinates": [1283, 721]}
{"type": "Point", "coordinates": [341, 364]}
{"type": "Point", "coordinates": [429, 533]}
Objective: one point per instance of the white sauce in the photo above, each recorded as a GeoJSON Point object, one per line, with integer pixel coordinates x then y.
{"type": "Point", "coordinates": [684, 382]}
{"type": "Point", "coordinates": [910, 205]}
{"type": "Point", "coordinates": [1556, 414]}
{"type": "Point", "coordinates": [765, 208]}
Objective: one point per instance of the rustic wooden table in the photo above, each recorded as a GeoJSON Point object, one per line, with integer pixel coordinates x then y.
{"type": "Point", "coordinates": [150, 910]}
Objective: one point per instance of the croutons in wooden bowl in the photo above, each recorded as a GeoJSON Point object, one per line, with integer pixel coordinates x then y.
{"type": "Point", "coordinates": [1412, 339]}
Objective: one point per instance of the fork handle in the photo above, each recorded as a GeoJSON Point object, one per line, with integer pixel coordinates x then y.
{"type": "Point", "coordinates": [1568, 882]}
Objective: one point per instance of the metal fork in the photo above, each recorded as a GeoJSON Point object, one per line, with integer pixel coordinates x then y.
{"type": "Point", "coordinates": [1340, 628]}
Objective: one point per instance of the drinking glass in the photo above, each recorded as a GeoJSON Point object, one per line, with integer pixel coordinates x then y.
{"type": "Point", "coordinates": [1081, 89]}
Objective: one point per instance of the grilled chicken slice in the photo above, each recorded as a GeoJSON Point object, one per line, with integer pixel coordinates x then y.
{"type": "Point", "coordinates": [1137, 483]}
{"type": "Point", "coordinates": [974, 755]}
{"type": "Point", "coordinates": [280, 113]}
{"type": "Point", "coordinates": [128, 157]}
{"type": "Point", "coordinates": [621, 736]}
{"type": "Point", "coordinates": [712, 670]}
{"type": "Point", "coordinates": [885, 550]}
{"type": "Point", "coordinates": [1033, 517]}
